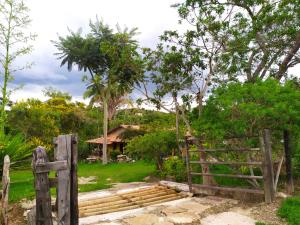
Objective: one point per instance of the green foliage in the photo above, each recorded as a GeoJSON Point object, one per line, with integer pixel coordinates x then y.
{"type": "Point", "coordinates": [40, 121]}
{"type": "Point", "coordinates": [252, 39]}
{"type": "Point", "coordinates": [15, 42]}
{"type": "Point", "coordinates": [15, 147]}
{"type": "Point", "coordinates": [114, 154]}
{"type": "Point", "coordinates": [152, 146]}
{"type": "Point", "coordinates": [240, 109]}
{"type": "Point", "coordinates": [290, 209]}
{"type": "Point", "coordinates": [174, 166]}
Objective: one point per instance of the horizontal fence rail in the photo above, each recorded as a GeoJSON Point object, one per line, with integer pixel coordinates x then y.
{"type": "Point", "coordinates": [227, 175]}
{"type": "Point", "coordinates": [266, 166]}
{"type": "Point", "coordinates": [227, 163]}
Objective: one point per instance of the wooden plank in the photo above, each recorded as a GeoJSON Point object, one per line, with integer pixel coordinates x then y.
{"type": "Point", "coordinates": [226, 163]}
{"type": "Point", "coordinates": [230, 189]}
{"type": "Point", "coordinates": [126, 199]}
{"type": "Point", "coordinates": [74, 181]}
{"type": "Point", "coordinates": [63, 176]}
{"type": "Point", "coordinates": [269, 164]}
{"type": "Point", "coordinates": [227, 150]}
{"type": "Point", "coordinates": [288, 162]}
{"type": "Point", "coordinates": [188, 166]}
{"type": "Point", "coordinates": [121, 208]}
{"type": "Point", "coordinates": [49, 166]}
{"type": "Point", "coordinates": [138, 202]}
{"type": "Point", "coordinates": [278, 173]}
{"type": "Point", "coordinates": [5, 191]}
{"type": "Point", "coordinates": [121, 197]}
{"type": "Point", "coordinates": [42, 189]}
{"type": "Point", "coordinates": [228, 175]}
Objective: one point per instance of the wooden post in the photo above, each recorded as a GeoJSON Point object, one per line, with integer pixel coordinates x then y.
{"type": "Point", "coordinates": [288, 162]}
{"type": "Point", "coordinates": [268, 172]}
{"type": "Point", "coordinates": [64, 146]}
{"type": "Point", "coordinates": [42, 189]}
{"type": "Point", "coordinates": [188, 166]}
{"type": "Point", "coordinates": [74, 182]}
{"type": "Point", "coordinates": [5, 192]}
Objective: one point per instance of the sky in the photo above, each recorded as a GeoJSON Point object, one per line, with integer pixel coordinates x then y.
{"type": "Point", "coordinates": [53, 17]}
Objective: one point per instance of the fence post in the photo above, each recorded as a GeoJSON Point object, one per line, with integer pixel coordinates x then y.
{"type": "Point", "coordinates": [42, 188]}
{"type": "Point", "coordinates": [74, 182]}
{"type": "Point", "coordinates": [268, 172]}
{"type": "Point", "coordinates": [5, 191]}
{"type": "Point", "coordinates": [64, 146]}
{"type": "Point", "coordinates": [188, 166]}
{"type": "Point", "coordinates": [288, 162]}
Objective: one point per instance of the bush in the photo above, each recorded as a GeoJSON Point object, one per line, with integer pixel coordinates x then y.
{"type": "Point", "coordinates": [152, 147]}
{"type": "Point", "coordinates": [174, 166]}
{"type": "Point", "coordinates": [15, 147]}
{"type": "Point", "coordinates": [114, 155]}
{"type": "Point", "coordinates": [290, 209]}
{"type": "Point", "coordinates": [83, 150]}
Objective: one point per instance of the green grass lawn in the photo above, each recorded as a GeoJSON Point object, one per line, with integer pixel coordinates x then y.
{"type": "Point", "coordinates": [290, 210]}
{"type": "Point", "coordinates": [22, 180]}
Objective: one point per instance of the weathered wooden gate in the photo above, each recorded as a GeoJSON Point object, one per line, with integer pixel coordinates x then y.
{"type": "Point", "coordinates": [266, 166]}
{"type": "Point", "coordinates": [65, 182]}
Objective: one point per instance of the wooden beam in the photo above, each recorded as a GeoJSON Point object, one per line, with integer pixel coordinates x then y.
{"type": "Point", "coordinates": [288, 162]}
{"type": "Point", "coordinates": [227, 150]}
{"type": "Point", "coordinates": [63, 176]}
{"type": "Point", "coordinates": [49, 166]}
{"type": "Point", "coordinates": [74, 182]}
{"type": "Point", "coordinates": [228, 175]}
{"type": "Point", "coordinates": [42, 189]}
{"type": "Point", "coordinates": [227, 163]}
{"type": "Point", "coordinates": [188, 166]}
{"type": "Point", "coordinates": [5, 191]}
{"type": "Point", "coordinates": [268, 173]}
{"type": "Point", "coordinates": [230, 189]}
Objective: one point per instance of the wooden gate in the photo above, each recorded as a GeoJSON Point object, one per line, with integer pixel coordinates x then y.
{"type": "Point", "coordinates": [266, 166]}
{"type": "Point", "coordinates": [65, 182]}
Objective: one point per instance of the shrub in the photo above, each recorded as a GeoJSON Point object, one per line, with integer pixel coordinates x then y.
{"type": "Point", "coordinates": [174, 166]}
{"type": "Point", "coordinates": [15, 147]}
{"type": "Point", "coordinates": [114, 155]}
{"type": "Point", "coordinates": [152, 147]}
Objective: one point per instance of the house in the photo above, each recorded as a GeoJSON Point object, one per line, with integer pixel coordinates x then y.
{"type": "Point", "coordinates": [115, 140]}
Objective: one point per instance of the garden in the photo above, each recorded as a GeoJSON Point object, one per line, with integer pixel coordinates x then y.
{"type": "Point", "coordinates": [224, 84]}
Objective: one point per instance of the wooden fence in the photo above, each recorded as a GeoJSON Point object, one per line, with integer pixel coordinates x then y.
{"type": "Point", "coordinates": [266, 166]}
{"type": "Point", "coordinates": [65, 182]}
{"type": "Point", "coordinates": [5, 191]}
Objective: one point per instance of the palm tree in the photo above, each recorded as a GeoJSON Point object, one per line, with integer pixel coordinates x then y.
{"type": "Point", "coordinates": [111, 59]}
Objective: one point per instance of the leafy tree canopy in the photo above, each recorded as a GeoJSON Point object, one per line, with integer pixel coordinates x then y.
{"type": "Point", "coordinates": [251, 39]}
{"type": "Point", "coordinates": [240, 109]}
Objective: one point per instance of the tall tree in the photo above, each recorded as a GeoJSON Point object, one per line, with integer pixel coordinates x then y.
{"type": "Point", "coordinates": [258, 39]}
{"type": "Point", "coordinates": [178, 72]}
{"type": "Point", "coordinates": [14, 42]}
{"type": "Point", "coordinates": [111, 59]}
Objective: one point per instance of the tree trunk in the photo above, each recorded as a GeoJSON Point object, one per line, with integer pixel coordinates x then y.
{"type": "Point", "coordinates": [105, 126]}
{"type": "Point", "coordinates": [205, 168]}
{"type": "Point", "coordinates": [177, 123]}
{"type": "Point", "coordinates": [288, 162]}
{"type": "Point", "coordinates": [6, 74]}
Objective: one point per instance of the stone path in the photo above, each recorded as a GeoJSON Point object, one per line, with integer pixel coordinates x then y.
{"type": "Point", "coordinates": [209, 210]}
{"type": "Point", "coordinates": [189, 211]}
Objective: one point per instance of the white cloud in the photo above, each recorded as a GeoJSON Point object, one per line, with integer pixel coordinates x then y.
{"type": "Point", "coordinates": [52, 17]}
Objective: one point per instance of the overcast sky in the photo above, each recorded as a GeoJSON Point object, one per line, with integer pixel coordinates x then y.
{"type": "Point", "coordinates": [52, 17]}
